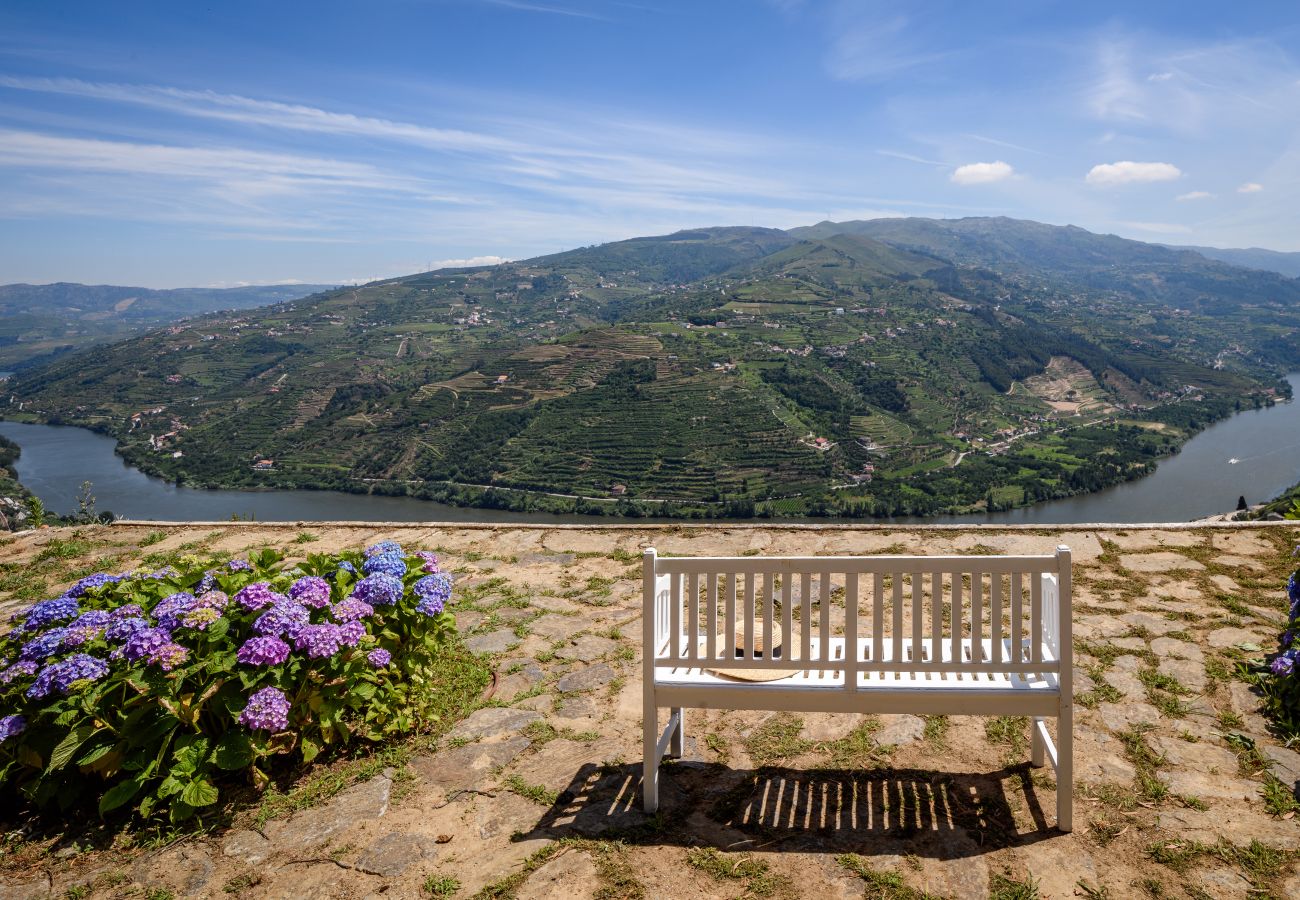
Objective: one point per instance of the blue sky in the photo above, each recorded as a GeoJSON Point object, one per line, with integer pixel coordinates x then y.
{"type": "Point", "coordinates": [163, 144]}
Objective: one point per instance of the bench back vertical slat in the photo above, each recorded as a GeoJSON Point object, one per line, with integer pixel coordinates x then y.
{"type": "Point", "coordinates": [769, 588]}
{"type": "Point", "coordinates": [977, 617]}
{"type": "Point", "coordinates": [1051, 615]}
{"type": "Point", "coordinates": [693, 617]}
{"type": "Point", "coordinates": [877, 616]}
{"type": "Point", "coordinates": [787, 617]}
{"type": "Point", "coordinates": [824, 606]}
{"type": "Point", "coordinates": [749, 615]}
{"type": "Point", "coordinates": [675, 615]}
{"type": "Point", "coordinates": [936, 618]}
{"type": "Point", "coordinates": [851, 660]}
{"type": "Point", "coordinates": [805, 616]}
{"type": "Point", "coordinates": [995, 616]}
{"type": "Point", "coordinates": [1017, 611]}
{"type": "Point", "coordinates": [918, 616]}
{"type": "Point", "coordinates": [897, 631]}
{"type": "Point", "coordinates": [1036, 617]}
{"type": "Point", "coordinates": [729, 634]}
{"type": "Point", "coordinates": [711, 615]}
{"type": "Point", "coordinates": [955, 618]}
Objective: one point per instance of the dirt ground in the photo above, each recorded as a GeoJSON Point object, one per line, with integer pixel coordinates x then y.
{"type": "Point", "coordinates": [1181, 790]}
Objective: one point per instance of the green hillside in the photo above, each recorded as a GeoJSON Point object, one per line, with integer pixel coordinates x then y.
{"type": "Point", "coordinates": [39, 322]}
{"type": "Point", "coordinates": [872, 368]}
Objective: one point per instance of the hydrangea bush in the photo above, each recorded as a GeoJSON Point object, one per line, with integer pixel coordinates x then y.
{"type": "Point", "coordinates": [1280, 679]}
{"type": "Point", "coordinates": [142, 689]}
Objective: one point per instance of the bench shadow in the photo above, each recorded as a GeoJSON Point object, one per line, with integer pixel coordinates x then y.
{"type": "Point", "coordinates": [869, 811]}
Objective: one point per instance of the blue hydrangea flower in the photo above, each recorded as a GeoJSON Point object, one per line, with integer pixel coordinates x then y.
{"type": "Point", "coordinates": [345, 566]}
{"type": "Point", "coordinates": [434, 591]}
{"type": "Point", "coordinates": [90, 582]}
{"type": "Point", "coordinates": [43, 646]}
{"type": "Point", "coordinates": [384, 547]}
{"type": "Point", "coordinates": [310, 591]}
{"type": "Point", "coordinates": [378, 590]}
{"type": "Point", "coordinates": [267, 710]}
{"type": "Point", "coordinates": [282, 619]}
{"type": "Point", "coordinates": [240, 565]}
{"type": "Point", "coordinates": [47, 612]}
{"type": "Point", "coordinates": [207, 583]}
{"type": "Point", "coordinates": [11, 726]}
{"type": "Point", "coordinates": [257, 595]}
{"type": "Point", "coordinates": [385, 563]}
{"type": "Point", "coordinates": [263, 651]}
{"type": "Point", "coordinates": [1284, 664]}
{"type": "Point", "coordinates": [169, 610]}
{"type": "Point", "coordinates": [121, 630]}
{"type": "Point", "coordinates": [319, 641]}
{"type": "Point", "coordinates": [126, 612]}
{"type": "Point", "coordinates": [65, 673]}
{"type": "Point", "coordinates": [19, 670]}
{"type": "Point", "coordinates": [144, 642]}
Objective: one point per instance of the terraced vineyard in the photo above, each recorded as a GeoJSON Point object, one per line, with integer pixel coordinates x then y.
{"type": "Point", "coordinates": [906, 366]}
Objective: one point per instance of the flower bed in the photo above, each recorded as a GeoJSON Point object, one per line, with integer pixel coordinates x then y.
{"type": "Point", "coordinates": [142, 689]}
{"type": "Point", "coordinates": [1280, 680]}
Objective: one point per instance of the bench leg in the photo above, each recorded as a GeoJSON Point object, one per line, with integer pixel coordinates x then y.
{"type": "Point", "coordinates": [650, 755]}
{"type": "Point", "coordinates": [677, 743]}
{"type": "Point", "coordinates": [1038, 750]}
{"type": "Point", "coordinates": [1065, 768]}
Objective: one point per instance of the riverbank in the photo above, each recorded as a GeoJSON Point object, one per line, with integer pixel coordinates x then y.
{"type": "Point", "coordinates": [1254, 453]}
{"type": "Point", "coordinates": [536, 794]}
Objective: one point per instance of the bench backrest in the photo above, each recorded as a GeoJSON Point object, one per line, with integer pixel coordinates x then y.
{"type": "Point", "coordinates": [1005, 615]}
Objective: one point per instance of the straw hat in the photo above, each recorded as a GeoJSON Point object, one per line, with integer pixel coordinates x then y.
{"type": "Point", "coordinates": [778, 652]}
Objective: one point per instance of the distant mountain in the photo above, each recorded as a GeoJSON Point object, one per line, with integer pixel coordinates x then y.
{"type": "Point", "coordinates": [1287, 264]}
{"type": "Point", "coordinates": [43, 321]}
{"type": "Point", "coordinates": [901, 366]}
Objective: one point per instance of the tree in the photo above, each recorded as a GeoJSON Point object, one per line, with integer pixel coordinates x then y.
{"type": "Point", "coordinates": [1241, 503]}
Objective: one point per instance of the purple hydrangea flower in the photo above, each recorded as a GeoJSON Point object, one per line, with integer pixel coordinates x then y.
{"type": "Point", "coordinates": [95, 618]}
{"type": "Point", "coordinates": [86, 627]}
{"type": "Point", "coordinates": [18, 670]}
{"type": "Point", "coordinates": [284, 618]}
{"type": "Point", "coordinates": [350, 610]}
{"type": "Point", "coordinates": [169, 656]}
{"type": "Point", "coordinates": [11, 726]}
{"type": "Point", "coordinates": [207, 583]}
{"type": "Point", "coordinates": [90, 582]}
{"type": "Point", "coordinates": [311, 591]}
{"type": "Point", "coordinates": [430, 562]}
{"type": "Point", "coordinates": [121, 629]}
{"type": "Point", "coordinates": [144, 642]}
{"type": "Point", "coordinates": [257, 595]}
{"type": "Point", "coordinates": [267, 710]}
{"type": "Point", "coordinates": [62, 675]}
{"type": "Point", "coordinates": [169, 610]}
{"type": "Point", "coordinates": [47, 612]}
{"type": "Point", "coordinates": [384, 547]}
{"type": "Point", "coordinates": [1293, 588]}
{"type": "Point", "coordinates": [263, 651]}
{"type": "Point", "coordinates": [128, 611]}
{"type": "Point", "coordinates": [378, 590]}
{"type": "Point", "coordinates": [379, 658]}
{"type": "Point", "coordinates": [351, 633]}
{"type": "Point", "coordinates": [240, 565]}
{"type": "Point", "coordinates": [434, 591]}
{"type": "Point", "coordinates": [319, 641]}
{"type": "Point", "coordinates": [385, 563]}
{"type": "Point", "coordinates": [162, 574]}
{"type": "Point", "coordinates": [43, 646]}
{"type": "Point", "coordinates": [1284, 664]}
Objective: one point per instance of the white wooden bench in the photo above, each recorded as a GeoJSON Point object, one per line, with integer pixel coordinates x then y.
{"type": "Point", "coordinates": [960, 635]}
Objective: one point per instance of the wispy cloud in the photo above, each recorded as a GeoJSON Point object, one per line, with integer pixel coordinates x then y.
{"type": "Point", "coordinates": [911, 157]}
{"type": "Point", "coordinates": [547, 9]}
{"type": "Point", "coordinates": [1250, 187]}
{"type": "Point", "coordinates": [1129, 172]}
{"type": "Point", "coordinates": [982, 173]}
{"type": "Point", "coordinates": [1195, 195]}
{"type": "Point", "coordinates": [1159, 227]}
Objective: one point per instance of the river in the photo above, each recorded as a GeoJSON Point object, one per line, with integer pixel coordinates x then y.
{"type": "Point", "coordinates": [1200, 481]}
